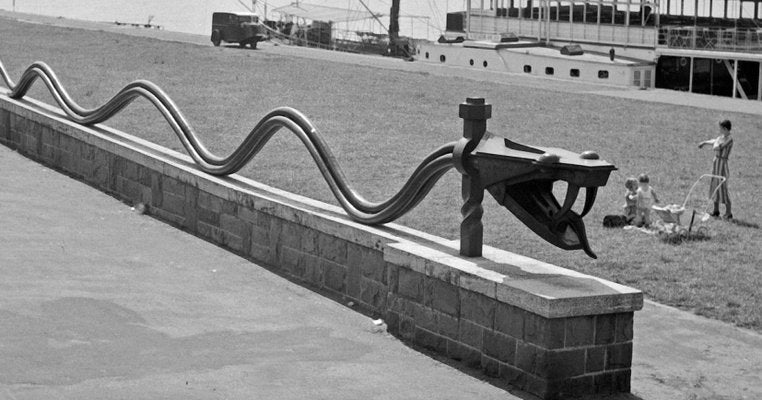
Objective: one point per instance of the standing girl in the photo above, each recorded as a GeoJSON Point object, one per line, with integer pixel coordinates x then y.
{"type": "Point", "coordinates": [721, 146]}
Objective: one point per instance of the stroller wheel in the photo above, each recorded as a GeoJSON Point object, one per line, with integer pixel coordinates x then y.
{"type": "Point", "coordinates": [683, 234]}
{"type": "Point", "coordinates": [702, 232]}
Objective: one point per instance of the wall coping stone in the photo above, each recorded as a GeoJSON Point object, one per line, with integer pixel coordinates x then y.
{"type": "Point", "coordinates": [541, 288]}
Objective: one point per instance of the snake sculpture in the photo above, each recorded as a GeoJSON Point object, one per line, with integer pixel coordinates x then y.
{"type": "Point", "coordinates": [519, 177]}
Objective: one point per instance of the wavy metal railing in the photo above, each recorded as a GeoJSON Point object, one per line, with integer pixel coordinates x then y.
{"type": "Point", "coordinates": [414, 190]}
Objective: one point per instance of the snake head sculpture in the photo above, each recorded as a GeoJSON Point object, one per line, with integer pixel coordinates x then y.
{"type": "Point", "coordinates": [522, 179]}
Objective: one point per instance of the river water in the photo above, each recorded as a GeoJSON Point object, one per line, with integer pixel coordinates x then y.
{"type": "Point", "coordinates": [195, 16]}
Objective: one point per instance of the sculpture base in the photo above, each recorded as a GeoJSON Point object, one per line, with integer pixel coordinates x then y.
{"type": "Point", "coordinates": [544, 329]}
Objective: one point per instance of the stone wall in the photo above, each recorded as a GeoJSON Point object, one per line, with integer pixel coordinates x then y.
{"type": "Point", "coordinates": [544, 329]}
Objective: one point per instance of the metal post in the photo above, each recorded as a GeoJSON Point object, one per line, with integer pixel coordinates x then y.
{"type": "Point", "coordinates": [599, 20]}
{"type": "Point", "coordinates": [474, 113]}
{"type": "Point", "coordinates": [735, 77]}
{"type": "Point", "coordinates": [468, 19]}
{"type": "Point", "coordinates": [690, 76]}
{"type": "Point", "coordinates": [759, 83]}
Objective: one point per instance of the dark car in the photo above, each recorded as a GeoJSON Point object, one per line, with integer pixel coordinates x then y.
{"type": "Point", "coordinates": [241, 28]}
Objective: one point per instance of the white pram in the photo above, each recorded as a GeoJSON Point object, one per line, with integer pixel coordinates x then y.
{"type": "Point", "coordinates": [670, 214]}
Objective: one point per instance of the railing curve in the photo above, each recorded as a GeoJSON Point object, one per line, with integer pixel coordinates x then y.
{"type": "Point", "coordinates": [422, 180]}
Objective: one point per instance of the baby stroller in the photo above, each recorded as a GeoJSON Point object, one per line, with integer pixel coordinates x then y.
{"type": "Point", "coordinates": [670, 214]}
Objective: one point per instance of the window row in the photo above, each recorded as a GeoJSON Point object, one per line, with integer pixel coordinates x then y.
{"type": "Point", "coordinates": [574, 72]}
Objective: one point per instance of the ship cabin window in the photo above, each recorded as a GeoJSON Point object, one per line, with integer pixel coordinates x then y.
{"type": "Point", "coordinates": [442, 58]}
{"type": "Point", "coordinates": [549, 71]}
{"type": "Point", "coordinates": [471, 61]}
{"type": "Point", "coordinates": [603, 74]}
{"type": "Point", "coordinates": [574, 73]}
{"type": "Point", "coordinates": [427, 55]}
{"type": "Point", "coordinates": [528, 69]}
{"type": "Point", "coordinates": [485, 64]}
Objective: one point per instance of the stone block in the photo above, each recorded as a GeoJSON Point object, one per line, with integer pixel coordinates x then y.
{"type": "Point", "coordinates": [370, 262]}
{"type": "Point", "coordinates": [190, 207]}
{"type": "Point", "coordinates": [401, 305]}
{"type": "Point", "coordinates": [442, 272]}
{"type": "Point", "coordinates": [528, 357]}
{"type": "Point", "coordinates": [622, 381]}
{"type": "Point", "coordinates": [570, 388]}
{"type": "Point", "coordinates": [441, 296]}
{"type": "Point", "coordinates": [471, 334]}
{"type": "Point", "coordinates": [447, 325]}
{"type": "Point", "coordinates": [309, 240]}
{"type": "Point", "coordinates": [260, 253]}
{"type": "Point", "coordinates": [624, 329]}
{"type": "Point", "coordinates": [332, 249]}
{"type": "Point", "coordinates": [208, 216]}
{"type": "Point", "coordinates": [499, 346]}
{"type": "Point", "coordinates": [129, 189]}
{"type": "Point", "coordinates": [173, 203]}
{"type": "Point", "coordinates": [233, 225]}
{"type": "Point", "coordinates": [547, 333]}
{"type": "Point", "coordinates": [289, 260]}
{"type": "Point", "coordinates": [373, 294]}
{"type": "Point", "coordinates": [619, 356]}
{"type": "Point", "coordinates": [469, 356]}
{"type": "Point", "coordinates": [5, 123]}
{"type": "Point", "coordinates": [354, 281]}
{"type": "Point", "coordinates": [605, 328]}
{"type": "Point", "coordinates": [124, 167]}
{"type": "Point", "coordinates": [290, 235]}
{"type": "Point", "coordinates": [392, 277]}
{"type": "Point", "coordinates": [335, 276]}
{"type": "Point", "coordinates": [173, 186]}
{"type": "Point", "coordinates": [407, 328]}
{"type": "Point", "coordinates": [580, 331]}
{"type": "Point", "coordinates": [211, 233]}
{"type": "Point", "coordinates": [430, 340]}
{"type": "Point", "coordinates": [392, 320]}
{"type": "Point", "coordinates": [603, 384]}
{"type": "Point", "coordinates": [512, 375]}
{"type": "Point", "coordinates": [477, 308]}
{"type": "Point", "coordinates": [425, 317]}
{"type": "Point", "coordinates": [173, 219]}
{"type": "Point", "coordinates": [595, 359]}
{"type": "Point", "coordinates": [410, 284]}
{"type": "Point", "coordinates": [490, 366]}
{"type": "Point", "coordinates": [249, 215]}
{"type": "Point", "coordinates": [562, 364]}
{"type": "Point", "coordinates": [313, 270]}
{"type": "Point", "coordinates": [509, 320]}
{"type": "Point", "coordinates": [99, 173]}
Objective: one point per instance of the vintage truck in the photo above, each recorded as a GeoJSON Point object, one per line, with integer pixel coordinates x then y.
{"type": "Point", "coordinates": [241, 28]}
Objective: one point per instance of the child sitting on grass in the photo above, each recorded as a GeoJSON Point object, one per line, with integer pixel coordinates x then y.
{"type": "Point", "coordinates": [646, 197]}
{"type": "Point", "coordinates": [631, 199]}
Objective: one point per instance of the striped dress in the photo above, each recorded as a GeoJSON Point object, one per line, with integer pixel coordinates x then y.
{"type": "Point", "coordinates": [722, 147]}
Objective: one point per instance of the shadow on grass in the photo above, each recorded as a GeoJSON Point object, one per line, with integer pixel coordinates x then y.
{"type": "Point", "coordinates": [678, 238]}
{"type": "Point", "coordinates": [744, 224]}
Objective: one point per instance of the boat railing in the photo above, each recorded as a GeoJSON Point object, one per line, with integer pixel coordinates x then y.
{"type": "Point", "coordinates": [711, 38]}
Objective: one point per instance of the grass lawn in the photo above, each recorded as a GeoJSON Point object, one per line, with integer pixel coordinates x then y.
{"type": "Point", "coordinates": [381, 123]}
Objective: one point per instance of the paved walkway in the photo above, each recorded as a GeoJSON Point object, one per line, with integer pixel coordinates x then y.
{"type": "Point", "coordinates": [99, 302]}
